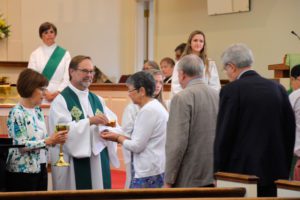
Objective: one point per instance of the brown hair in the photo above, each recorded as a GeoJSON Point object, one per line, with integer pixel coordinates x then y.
{"type": "Point", "coordinates": [159, 97]}
{"type": "Point", "coordinates": [168, 60]}
{"type": "Point", "coordinates": [45, 27]}
{"type": "Point", "coordinates": [28, 81]}
{"type": "Point", "coordinates": [203, 52]}
{"type": "Point", "coordinates": [75, 62]}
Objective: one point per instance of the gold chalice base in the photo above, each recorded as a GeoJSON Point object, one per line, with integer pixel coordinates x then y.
{"type": "Point", "coordinates": [61, 162]}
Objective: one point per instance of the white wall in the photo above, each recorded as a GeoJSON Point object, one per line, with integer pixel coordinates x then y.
{"type": "Point", "coordinates": [88, 27]}
{"type": "Point", "coordinates": [106, 29]}
{"type": "Point", "coordinates": [266, 29]}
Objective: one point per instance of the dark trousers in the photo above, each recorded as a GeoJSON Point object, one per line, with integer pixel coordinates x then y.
{"type": "Point", "coordinates": [27, 181]}
{"type": "Point", "coordinates": [266, 191]}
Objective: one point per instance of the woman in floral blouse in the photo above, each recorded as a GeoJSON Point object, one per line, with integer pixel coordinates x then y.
{"type": "Point", "coordinates": [27, 167]}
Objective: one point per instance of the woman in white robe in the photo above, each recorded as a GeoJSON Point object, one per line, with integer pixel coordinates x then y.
{"type": "Point", "coordinates": [39, 58]}
{"type": "Point", "coordinates": [196, 44]}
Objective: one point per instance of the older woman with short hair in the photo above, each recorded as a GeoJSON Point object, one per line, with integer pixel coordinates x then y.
{"type": "Point", "coordinates": [147, 141]}
{"type": "Point", "coordinates": [27, 167]}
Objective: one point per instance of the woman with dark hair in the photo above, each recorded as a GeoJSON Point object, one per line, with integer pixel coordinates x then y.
{"type": "Point", "coordinates": [147, 141]}
{"type": "Point", "coordinates": [197, 45]}
{"type": "Point", "coordinates": [27, 167]}
{"type": "Point", "coordinates": [130, 113]}
{"type": "Point", "coordinates": [51, 60]}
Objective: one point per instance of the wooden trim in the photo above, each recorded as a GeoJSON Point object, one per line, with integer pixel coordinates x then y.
{"type": "Point", "coordinates": [12, 105]}
{"type": "Point", "coordinates": [278, 67]}
{"type": "Point", "coordinates": [117, 87]}
{"type": "Point", "coordinates": [22, 64]}
{"type": "Point", "coordinates": [280, 70]}
{"type": "Point", "coordinates": [289, 185]}
{"type": "Point", "coordinates": [241, 178]}
{"type": "Point", "coordinates": [126, 193]}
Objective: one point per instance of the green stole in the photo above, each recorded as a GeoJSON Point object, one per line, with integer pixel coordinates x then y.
{"type": "Point", "coordinates": [82, 167]}
{"type": "Point", "coordinates": [53, 62]}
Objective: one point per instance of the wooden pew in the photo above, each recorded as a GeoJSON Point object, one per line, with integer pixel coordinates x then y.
{"type": "Point", "coordinates": [249, 182]}
{"type": "Point", "coordinates": [125, 194]}
{"type": "Point", "coordinates": [287, 188]}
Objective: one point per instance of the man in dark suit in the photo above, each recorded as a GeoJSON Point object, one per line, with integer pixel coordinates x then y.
{"type": "Point", "coordinates": [256, 125]}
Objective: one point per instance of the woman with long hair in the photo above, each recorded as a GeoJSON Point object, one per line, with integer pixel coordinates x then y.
{"type": "Point", "coordinates": [196, 44]}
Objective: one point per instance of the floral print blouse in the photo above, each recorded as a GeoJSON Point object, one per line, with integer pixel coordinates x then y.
{"type": "Point", "coordinates": [24, 128]}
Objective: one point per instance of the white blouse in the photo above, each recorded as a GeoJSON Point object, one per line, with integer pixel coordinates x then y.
{"type": "Point", "coordinates": [148, 140]}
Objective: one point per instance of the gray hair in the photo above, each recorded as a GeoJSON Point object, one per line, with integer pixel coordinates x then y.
{"type": "Point", "coordinates": [239, 55]}
{"type": "Point", "coordinates": [191, 65]}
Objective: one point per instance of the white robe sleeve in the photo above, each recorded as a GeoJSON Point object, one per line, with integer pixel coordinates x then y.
{"type": "Point", "coordinates": [128, 119]}
{"type": "Point", "coordinates": [32, 63]}
{"type": "Point", "coordinates": [112, 147]}
{"type": "Point", "coordinates": [175, 85]}
{"type": "Point", "coordinates": [214, 80]}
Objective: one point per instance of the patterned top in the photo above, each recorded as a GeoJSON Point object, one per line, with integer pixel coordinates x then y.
{"type": "Point", "coordinates": [26, 127]}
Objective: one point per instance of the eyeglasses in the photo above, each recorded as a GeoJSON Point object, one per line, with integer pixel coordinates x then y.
{"type": "Point", "coordinates": [129, 91]}
{"type": "Point", "coordinates": [86, 72]}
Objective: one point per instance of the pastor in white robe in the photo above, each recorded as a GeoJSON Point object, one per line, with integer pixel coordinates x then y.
{"type": "Point", "coordinates": [83, 141]}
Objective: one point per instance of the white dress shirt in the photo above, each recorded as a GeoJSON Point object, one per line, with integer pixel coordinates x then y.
{"type": "Point", "coordinates": [295, 102]}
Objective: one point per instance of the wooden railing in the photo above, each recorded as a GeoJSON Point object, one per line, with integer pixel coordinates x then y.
{"type": "Point", "coordinates": [161, 193]}
{"type": "Point", "coordinates": [241, 178]}
{"type": "Point", "coordinates": [286, 188]}
{"type": "Point", "coordinates": [249, 182]}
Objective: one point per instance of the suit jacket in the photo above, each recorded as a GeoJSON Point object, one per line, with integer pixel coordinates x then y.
{"type": "Point", "coordinates": [190, 136]}
{"type": "Point", "coordinates": [255, 129]}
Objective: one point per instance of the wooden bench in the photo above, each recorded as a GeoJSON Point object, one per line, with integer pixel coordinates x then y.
{"type": "Point", "coordinates": [249, 182]}
{"type": "Point", "coordinates": [162, 193]}
{"type": "Point", "coordinates": [287, 188]}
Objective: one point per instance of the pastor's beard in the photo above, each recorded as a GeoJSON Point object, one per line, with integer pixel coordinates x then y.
{"type": "Point", "coordinates": [86, 83]}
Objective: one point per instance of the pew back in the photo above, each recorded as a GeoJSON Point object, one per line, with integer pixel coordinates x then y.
{"type": "Point", "coordinates": [249, 182]}
{"type": "Point", "coordinates": [125, 194]}
{"type": "Point", "coordinates": [287, 188]}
